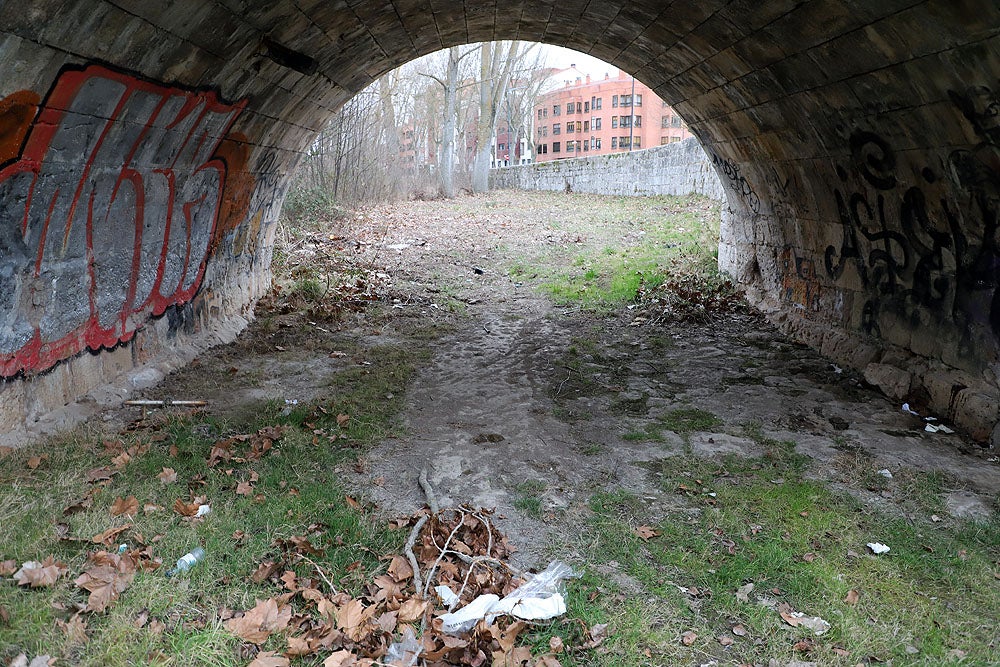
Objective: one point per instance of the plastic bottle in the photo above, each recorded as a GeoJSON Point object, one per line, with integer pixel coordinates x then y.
{"type": "Point", "coordinates": [187, 561]}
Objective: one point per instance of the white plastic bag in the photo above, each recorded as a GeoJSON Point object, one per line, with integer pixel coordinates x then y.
{"type": "Point", "coordinates": [535, 600]}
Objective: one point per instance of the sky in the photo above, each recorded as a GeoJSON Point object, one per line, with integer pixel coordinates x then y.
{"type": "Point", "coordinates": [562, 58]}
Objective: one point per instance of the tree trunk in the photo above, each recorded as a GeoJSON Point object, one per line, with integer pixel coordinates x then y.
{"type": "Point", "coordinates": [494, 71]}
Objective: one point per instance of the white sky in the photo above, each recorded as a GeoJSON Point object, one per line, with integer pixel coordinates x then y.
{"type": "Point", "coordinates": [557, 56]}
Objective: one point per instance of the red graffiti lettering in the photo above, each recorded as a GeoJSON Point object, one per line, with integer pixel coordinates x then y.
{"type": "Point", "coordinates": [108, 214]}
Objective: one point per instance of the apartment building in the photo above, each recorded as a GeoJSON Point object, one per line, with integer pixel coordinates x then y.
{"type": "Point", "coordinates": [610, 115]}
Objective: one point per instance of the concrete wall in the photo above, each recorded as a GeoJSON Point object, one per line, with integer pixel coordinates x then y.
{"type": "Point", "coordinates": [674, 169]}
{"type": "Point", "coordinates": [145, 149]}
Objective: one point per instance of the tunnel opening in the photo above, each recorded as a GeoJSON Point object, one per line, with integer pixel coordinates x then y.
{"type": "Point", "coordinates": [719, 466]}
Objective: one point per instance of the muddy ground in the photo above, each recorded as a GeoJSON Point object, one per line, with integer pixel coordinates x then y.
{"type": "Point", "coordinates": [530, 407]}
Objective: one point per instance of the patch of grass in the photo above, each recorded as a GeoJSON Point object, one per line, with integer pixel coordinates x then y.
{"type": "Point", "coordinates": [297, 492]}
{"type": "Point", "coordinates": [638, 246]}
{"type": "Point", "coordinates": [527, 497]}
{"type": "Point", "coordinates": [799, 543]}
{"type": "Point", "coordinates": [685, 421]}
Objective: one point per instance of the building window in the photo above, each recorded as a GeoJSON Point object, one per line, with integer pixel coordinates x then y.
{"type": "Point", "coordinates": [614, 142]}
{"type": "Point", "coordinates": [586, 126]}
{"type": "Point", "coordinates": [638, 100]}
{"type": "Point", "coordinates": [499, 147]}
{"type": "Point", "coordinates": [596, 143]}
{"type": "Point", "coordinates": [556, 128]}
{"type": "Point", "coordinates": [538, 148]}
{"type": "Point", "coordinates": [614, 101]}
{"type": "Point", "coordinates": [626, 121]}
{"type": "Point", "coordinates": [586, 144]}
{"type": "Point", "coordinates": [638, 121]}
{"type": "Point", "coordinates": [570, 127]}
{"type": "Point", "coordinates": [596, 124]}
{"type": "Point", "coordinates": [545, 113]}
{"type": "Point", "coordinates": [539, 114]}
{"type": "Point", "coordinates": [614, 121]}
{"type": "Point", "coordinates": [674, 140]}
{"type": "Point", "coordinates": [555, 109]}
{"type": "Point", "coordinates": [675, 121]}
{"type": "Point", "coordinates": [579, 126]}
{"type": "Point", "coordinates": [598, 105]}
{"type": "Point", "coordinates": [586, 107]}
{"type": "Point", "coordinates": [555, 146]}
{"type": "Point", "coordinates": [570, 107]}
{"type": "Point", "coordinates": [545, 130]}
{"type": "Point", "coordinates": [664, 140]}
{"type": "Point", "coordinates": [636, 142]}
{"type": "Point", "coordinates": [665, 121]}
{"type": "Point", "coordinates": [570, 146]}
{"type": "Point", "coordinates": [579, 107]}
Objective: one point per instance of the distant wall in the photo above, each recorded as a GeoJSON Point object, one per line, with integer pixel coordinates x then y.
{"type": "Point", "coordinates": [674, 169]}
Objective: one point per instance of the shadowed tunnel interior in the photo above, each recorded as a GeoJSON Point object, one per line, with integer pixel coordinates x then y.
{"type": "Point", "coordinates": [145, 150]}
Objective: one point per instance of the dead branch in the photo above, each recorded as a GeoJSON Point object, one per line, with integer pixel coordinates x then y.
{"type": "Point", "coordinates": [428, 491]}
{"type": "Point", "coordinates": [414, 565]}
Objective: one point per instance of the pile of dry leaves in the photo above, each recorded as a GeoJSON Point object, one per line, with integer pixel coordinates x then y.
{"type": "Point", "coordinates": [396, 619]}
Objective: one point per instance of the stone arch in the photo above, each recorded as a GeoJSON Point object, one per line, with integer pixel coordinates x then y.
{"type": "Point", "coordinates": [858, 142]}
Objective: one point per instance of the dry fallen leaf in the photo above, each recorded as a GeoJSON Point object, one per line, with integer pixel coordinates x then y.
{"type": "Point", "coordinates": [647, 532]}
{"type": "Point", "coordinates": [342, 420]}
{"type": "Point", "coordinates": [259, 623]}
{"type": "Point", "coordinates": [121, 460]}
{"type": "Point", "coordinates": [121, 506]}
{"type": "Point", "coordinates": [269, 659]}
{"type": "Point", "coordinates": [36, 461]}
{"type": "Point", "coordinates": [75, 629]}
{"type": "Point", "coordinates": [108, 536]}
{"type": "Point", "coordinates": [411, 610]}
{"type": "Point", "coordinates": [108, 575]}
{"type": "Point", "coordinates": [852, 597]}
{"type": "Point", "coordinates": [739, 630]}
{"type": "Point", "coordinates": [340, 659]}
{"type": "Point", "coordinates": [353, 503]}
{"type": "Point", "coordinates": [809, 557]}
{"type": "Point", "coordinates": [8, 567]}
{"type": "Point", "coordinates": [556, 644]}
{"type": "Point", "coordinates": [167, 476]}
{"type": "Point", "coordinates": [37, 574]}
{"type": "Point", "coordinates": [725, 640]}
{"type": "Point", "coordinates": [244, 489]}
{"type": "Point", "coordinates": [186, 509]}
{"type": "Point", "coordinates": [688, 638]}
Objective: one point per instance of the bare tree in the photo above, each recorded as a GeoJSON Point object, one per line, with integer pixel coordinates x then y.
{"type": "Point", "coordinates": [495, 68]}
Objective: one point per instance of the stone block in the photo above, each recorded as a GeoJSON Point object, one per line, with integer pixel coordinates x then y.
{"type": "Point", "coordinates": [894, 382]}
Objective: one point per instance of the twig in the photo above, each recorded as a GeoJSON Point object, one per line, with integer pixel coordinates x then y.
{"type": "Point", "coordinates": [428, 491]}
{"type": "Point", "coordinates": [444, 550]}
{"type": "Point", "coordinates": [320, 571]}
{"type": "Point", "coordinates": [410, 541]}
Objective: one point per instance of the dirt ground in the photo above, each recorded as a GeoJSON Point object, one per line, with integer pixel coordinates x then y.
{"type": "Point", "coordinates": [531, 407]}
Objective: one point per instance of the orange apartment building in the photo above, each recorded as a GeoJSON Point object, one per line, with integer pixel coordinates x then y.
{"type": "Point", "coordinates": [610, 115]}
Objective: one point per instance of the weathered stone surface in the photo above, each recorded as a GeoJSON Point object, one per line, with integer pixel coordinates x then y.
{"type": "Point", "coordinates": [893, 381]}
{"type": "Point", "coordinates": [674, 169]}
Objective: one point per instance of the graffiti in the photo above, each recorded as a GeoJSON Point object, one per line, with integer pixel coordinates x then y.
{"type": "Point", "coordinates": [917, 251]}
{"type": "Point", "coordinates": [108, 207]}
{"type": "Point", "coordinates": [799, 284]}
{"type": "Point", "coordinates": [738, 181]}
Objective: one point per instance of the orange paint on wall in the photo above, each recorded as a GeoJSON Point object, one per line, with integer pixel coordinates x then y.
{"type": "Point", "coordinates": [17, 111]}
{"type": "Point", "coordinates": [235, 152]}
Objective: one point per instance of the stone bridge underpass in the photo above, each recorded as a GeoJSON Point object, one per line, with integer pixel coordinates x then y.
{"type": "Point", "coordinates": [146, 147]}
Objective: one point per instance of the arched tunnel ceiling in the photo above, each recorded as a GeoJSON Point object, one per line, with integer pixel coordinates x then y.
{"type": "Point", "coordinates": [858, 140]}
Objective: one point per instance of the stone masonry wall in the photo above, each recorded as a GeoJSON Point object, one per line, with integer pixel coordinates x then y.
{"type": "Point", "coordinates": [674, 169]}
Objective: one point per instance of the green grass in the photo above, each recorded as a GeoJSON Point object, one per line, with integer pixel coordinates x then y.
{"type": "Point", "coordinates": [298, 493]}
{"type": "Point", "coordinates": [527, 497]}
{"type": "Point", "coordinates": [685, 421]}
{"type": "Point", "coordinates": [646, 241]}
{"type": "Point", "coordinates": [935, 591]}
